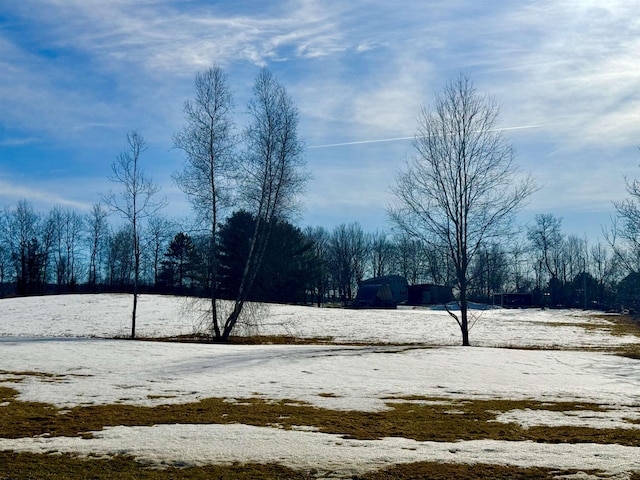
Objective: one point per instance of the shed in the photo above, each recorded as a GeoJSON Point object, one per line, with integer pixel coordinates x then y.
{"type": "Point", "coordinates": [513, 300]}
{"type": "Point", "coordinates": [429, 294]}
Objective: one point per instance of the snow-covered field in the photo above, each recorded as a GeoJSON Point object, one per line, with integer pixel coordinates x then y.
{"type": "Point", "coordinates": [72, 335]}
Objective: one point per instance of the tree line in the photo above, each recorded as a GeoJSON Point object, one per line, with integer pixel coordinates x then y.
{"type": "Point", "coordinates": [63, 251]}
{"type": "Point", "coordinates": [452, 220]}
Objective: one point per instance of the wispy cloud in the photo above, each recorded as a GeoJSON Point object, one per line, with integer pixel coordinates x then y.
{"type": "Point", "coordinates": [11, 193]}
{"type": "Point", "coordinates": [19, 141]}
{"type": "Point", "coordinates": [78, 72]}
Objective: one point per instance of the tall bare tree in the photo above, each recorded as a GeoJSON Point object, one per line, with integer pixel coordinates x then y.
{"type": "Point", "coordinates": [272, 174]}
{"type": "Point", "coordinates": [209, 143]}
{"type": "Point", "coordinates": [135, 202]}
{"type": "Point", "coordinates": [547, 240]}
{"type": "Point", "coordinates": [160, 230]}
{"type": "Point", "coordinates": [98, 230]}
{"type": "Point", "coordinates": [460, 189]}
{"type": "Point", "coordinates": [348, 252]}
{"type": "Point", "coordinates": [320, 239]}
{"type": "Point", "coordinates": [66, 229]}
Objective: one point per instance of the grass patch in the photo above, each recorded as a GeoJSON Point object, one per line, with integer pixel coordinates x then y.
{"type": "Point", "coordinates": [41, 375]}
{"type": "Point", "coordinates": [630, 351]}
{"type": "Point", "coordinates": [418, 418]}
{"type": "Point", "coordinates": [618, 325]}
{"type": "Point", "coordinates": [243, 340]}
{"type": "Point", "coordinates": [328, 395]}
{"type": "Point", "coordinates": [621, 325]}
{"type": "Point", "coordinates": [451, 471]}
{"type": "Point", "coordinates": [18, 466]}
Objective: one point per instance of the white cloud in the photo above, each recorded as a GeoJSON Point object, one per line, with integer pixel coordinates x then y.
{"type": "Point", "coordinates": [578, 74]}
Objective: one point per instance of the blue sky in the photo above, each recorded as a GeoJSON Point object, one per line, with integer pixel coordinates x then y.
{"type": "Point", "coordinates": [76, 75]}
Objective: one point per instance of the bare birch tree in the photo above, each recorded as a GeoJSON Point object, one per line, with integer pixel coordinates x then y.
{"type": "Point", "coordinates": [272, 174]}
{"type": "Point", "coordinates": [134, 203]}
{"type": "Point", "coordinates": [460, 189]}
{"type": "Point", "coordinates": [209, 143]}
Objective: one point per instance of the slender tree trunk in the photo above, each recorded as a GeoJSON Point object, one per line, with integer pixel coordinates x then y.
{"type": "Point", "coordinates": [214, 285]}
{"type": "Point", "coordinates": [464, 319]}
{"type": "Point", "coordinates": [214, 261]}
{"type": "Point", "coordinates": [136, 278]}
{"type": "Point", "coordinates": [248, 276]}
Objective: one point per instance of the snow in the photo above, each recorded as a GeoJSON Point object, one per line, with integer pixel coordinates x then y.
{"type": "Point", "coordinates": [225, 444]}
{"type": "Point", "coordinates": [71, 337]}
{"type": "Point", "coordinates": [110, 316]}
{"type": "Point", "coordinates": [361, 378]}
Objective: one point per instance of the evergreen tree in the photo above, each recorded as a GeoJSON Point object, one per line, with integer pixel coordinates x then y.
{"type": "Point", "coordinates": [288, 268]}
{"type": "Point", "coordinates": [178, 266]}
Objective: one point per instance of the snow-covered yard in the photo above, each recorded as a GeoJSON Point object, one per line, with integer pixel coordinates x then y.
{"type": "Point", "coordinates": [412, 354]}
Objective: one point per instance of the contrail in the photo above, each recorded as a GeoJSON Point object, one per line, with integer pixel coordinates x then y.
{"type": "Point", "coordinates": [396, 139]}
{"type": "Point", "coordinates": [362, 141]}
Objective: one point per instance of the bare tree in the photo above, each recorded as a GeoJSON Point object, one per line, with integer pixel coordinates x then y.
{"type": "Point", "coordinates": [5, 252]}
{"type": "Point", "coordinates": [98, 230]}
{"type": "Point", "coordinates": [603, 269]}
{"type": "Point", "coordinates": [272, 174]}
{"type": "Point", "coordinates": [348, 252]}
{"type": "Point", "coordinates": [134, 203]}
{"type": "Point", "coordinates": [23, 229]}
{"type": "Point", "coordinates": [320, 238]}
{"type": "Point", "coordinates": [66, 229]}
{"type": "Point", "coordinates": [547, 240]}
{"type": "Point", "coordinates": [209, 143]}
{"type": "Point", "coordinates": [624, 235]}
{"type": "Point", "coordinates": [160, 230]}
{"type": "Point", "coordinates": [119, 257]}
{"type": "Point", "coordinates": [460, 189]}
{"type": "Point", "coordinates": [519, 266]}
{"type": "Point", "coordinates": [382, 251]}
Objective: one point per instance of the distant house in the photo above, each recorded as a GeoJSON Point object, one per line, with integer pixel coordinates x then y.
{"type": "Point", "coordinates": [429, 294]}
{"type": "Point", "coordinates": [397, 284]}
{"type": "Point", "coordinates": [513, 300]}
{"type": "Point", "coordinates": [374, 296]}
{"type": "Point", "coordinates": [382, 292]}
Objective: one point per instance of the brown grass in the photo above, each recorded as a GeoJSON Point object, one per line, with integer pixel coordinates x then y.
{"type": "Point", "coordinates": [22, 466]}
{"type": "Point", "coordinates": [449, 471]}
{"type": "Point", "coordinates": [626, 325]}
{"type": "Point", "coordinates": [245, 340]}
{"type": "Point", "coordinates": [416, 418]}
{"type": "Point", "coordinates": [617, 325]}
{"type": "Point", "coordinates": [19, 466]}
